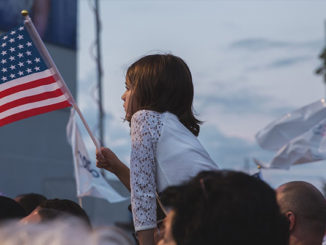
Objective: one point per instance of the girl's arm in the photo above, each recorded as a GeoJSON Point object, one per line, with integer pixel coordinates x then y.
{"type": "Point", "coordinates": [145, 131]}
{"type": "Point", "coordinates": [108, 160]}
{"type": "Point", "coordinates": [146, 237]}
{"type": "Point", "coordinates": [105, 158]}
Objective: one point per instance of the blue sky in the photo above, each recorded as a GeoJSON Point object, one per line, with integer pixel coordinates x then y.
{"type": "Point", "coordinates": [252, 61]}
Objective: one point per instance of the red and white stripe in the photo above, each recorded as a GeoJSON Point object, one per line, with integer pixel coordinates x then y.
{"type": "Point", "coordinates": [31, 95]}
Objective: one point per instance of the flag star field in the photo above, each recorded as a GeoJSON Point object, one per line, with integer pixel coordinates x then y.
{"type": "Point", "coordinates": [27, 86]}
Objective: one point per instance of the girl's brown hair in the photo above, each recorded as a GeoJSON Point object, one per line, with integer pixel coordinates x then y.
{"type": "Point", "coordinates": [162, 83]}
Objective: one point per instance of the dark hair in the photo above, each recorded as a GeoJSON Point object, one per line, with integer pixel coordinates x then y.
{"type": "Point", "coordinates": [50, 214]}
{"type": "Point", "coordinates": [162, 83]}
{"type": "Point", "coordinates": [306, 202]}
{"type": "Point", "coordinates": [10, 209]}
{"type": "Point", "coordinates": [30, 201]}
{"type": "Point", "coordinates": [66, 206]}
{"type": "Point", "coordinates": [225, 207]}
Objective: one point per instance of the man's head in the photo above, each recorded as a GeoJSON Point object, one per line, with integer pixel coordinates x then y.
{"type": "Point", "coordinates": [57, 208]}
{"type": "Point", "coordinates": [225, 207]}
{"type": "Point", "coordinates": [29, 201]}
{"type": "Point", "coordinates": [10, 209]}
{"type": "Point", "coordinates": [305, 207]}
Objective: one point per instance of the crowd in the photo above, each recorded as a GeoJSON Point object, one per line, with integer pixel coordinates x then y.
{"type": "Point", "coordinates": [214, 207]}
{"type": "Point", "coordinates": [32, 219]}
{"type": "Point", "coordinates": [179, 196]}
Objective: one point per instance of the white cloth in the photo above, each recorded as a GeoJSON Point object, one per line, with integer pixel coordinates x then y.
{"type": "Point", "coordinates": [299, 136]}
{"type": "Point", "coordinates": [324, 240]}
{"type": "Point", "coordinates": [308, 147]}
{"type": "Point", "coordinates": [89, 180]}
{"type": "Point", "coordinates": [164, 152]}
{"type": "Point", "coordinates": [281, 131]}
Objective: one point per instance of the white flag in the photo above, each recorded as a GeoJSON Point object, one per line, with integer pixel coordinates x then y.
{"type": "Point", "coordinates": [280, 132]}
{"type": "Point", "coordinates": [299, 136]}
{"type": "Point", "coordinates": [89, 180]}
{"type": "Point", "coordinates": [308, 147]}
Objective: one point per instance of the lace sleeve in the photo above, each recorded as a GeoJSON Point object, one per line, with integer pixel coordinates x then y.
{"type": "Point", "coordinates": [145, 132]}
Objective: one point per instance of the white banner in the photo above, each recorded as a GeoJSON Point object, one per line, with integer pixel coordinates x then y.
{"type": "Point", "coordinates": [280, 132]}
{"type": "Point", "coordinates": [89, 180]}
{"type": "Point", "coordinates": [308, 147]}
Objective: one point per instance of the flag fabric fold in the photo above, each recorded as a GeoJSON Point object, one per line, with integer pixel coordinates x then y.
{"type": "Point", "coordinates": [298, 137]}
{"type": "Point", "coordinates": [27, 86]}
{"type": "Point", "coordinates": [89, 180]}
{"type": "Point", "coordinates": [308, 147]}
{"type": "Point", "coordinates": [280, 132]}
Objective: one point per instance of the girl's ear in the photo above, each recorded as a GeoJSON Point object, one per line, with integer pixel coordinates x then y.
{"type": "Point", "coordinates": [292, 219]}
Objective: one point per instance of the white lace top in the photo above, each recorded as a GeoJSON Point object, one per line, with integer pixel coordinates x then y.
{"type": "Point", "coordinates": [163, 153]}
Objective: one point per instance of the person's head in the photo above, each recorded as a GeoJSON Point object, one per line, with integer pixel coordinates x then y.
{"type": "Point", "coordinates": [61, 232]}
{"type": "Point", "coordinates": [44, 215]}
{"type": "Point", "coordinates": [29, 201]}
{"type": "Point", "coordinates": [56, 208]}
{"type": "Point", "coordinates": [161, 82]}
{"type": "Point", "coordinates": [57, 232]}
{"type": "Point", "coordinates": [305, 207]}
{"type": "Point", "coordinates": [10, 209]}
{"type": "Point", "coordinates": [224, 207]}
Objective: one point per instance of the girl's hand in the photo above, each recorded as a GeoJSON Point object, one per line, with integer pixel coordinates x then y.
{"type": "Point", "coordinates": [105, 158]}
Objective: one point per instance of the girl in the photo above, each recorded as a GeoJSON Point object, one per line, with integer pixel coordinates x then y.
{"type": "Point", "coordinates": [164, 148]}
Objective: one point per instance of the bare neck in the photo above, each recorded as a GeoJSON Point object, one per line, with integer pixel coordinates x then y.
{"type": "Point", "coordinates": [305, 239]}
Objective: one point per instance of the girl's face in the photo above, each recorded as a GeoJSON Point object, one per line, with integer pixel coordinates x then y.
{"type": "Point", "coordinates": [126, 97]}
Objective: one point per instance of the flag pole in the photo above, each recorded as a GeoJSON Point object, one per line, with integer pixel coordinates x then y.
{"type": "Point", "coordinates": [75, 153]}
{"type": "Point", "coordinates": [48, 59]}
{"type": "Point", "coordinates": [80, 202]}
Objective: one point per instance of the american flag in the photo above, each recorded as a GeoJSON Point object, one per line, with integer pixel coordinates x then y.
{"type": "Point", "coordinates": [27, 86]}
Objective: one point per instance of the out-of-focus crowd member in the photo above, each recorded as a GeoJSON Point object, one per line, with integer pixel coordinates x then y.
{"type": "Point", "coordinates": [10, 209]}
{"type": "Point", "coordinates": [112, 235]}
{"type": "Point", "coordinates": [61, 232]}
{"type": "Point", "coordinates": [56, 208]}
{"type": "Point", "coordinates": [223, 207]}
{"type": "Point", "coordinates": [305, 207]}
{"type": "Point", "coordinates": [41, 215]}
{"type": "Point", "coordinates": [30, 201]}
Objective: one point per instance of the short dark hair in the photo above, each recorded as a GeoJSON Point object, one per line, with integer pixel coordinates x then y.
{"type": "Point", "coordinates": [50, 214]}
{"type": "Point", "coordinates": [66, 206]}
{"type": "Point", "coordinates": [162, 82]}
{"type": "Point", "coordinates": [30, 201]}
{"type": "Point", "coordinates": [306, 202]}
{"type": "Point", "coordinates": [226, 207]}
{"type": "Point", "coordinates": [10, 209]}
